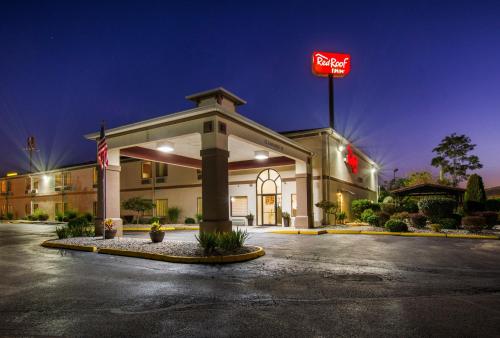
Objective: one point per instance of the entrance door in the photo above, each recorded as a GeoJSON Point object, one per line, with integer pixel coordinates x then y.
{"type": "Point", "coordinates": [268, 209]}
{"type": "Point", "coordinates": [268, 197]}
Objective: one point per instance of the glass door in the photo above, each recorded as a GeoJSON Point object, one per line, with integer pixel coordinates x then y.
{"type": "Point", "coordinates": [269, 209]}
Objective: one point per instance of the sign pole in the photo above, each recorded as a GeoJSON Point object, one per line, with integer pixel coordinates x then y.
{"type": "Point", "coordinates": [330, 101]}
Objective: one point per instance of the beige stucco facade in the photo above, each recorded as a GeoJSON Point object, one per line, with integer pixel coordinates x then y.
{"type": "Point", "coordinates": [306, 167]}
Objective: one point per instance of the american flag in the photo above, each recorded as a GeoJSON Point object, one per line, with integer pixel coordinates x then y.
{"type": "Point", "coordinates": [102, 150]}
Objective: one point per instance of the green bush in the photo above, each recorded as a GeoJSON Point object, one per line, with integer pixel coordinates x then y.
{"type": "Point", "coordinates": [80, 227]}
{"type": "Point", "coordinates": [396, 225]}
{"type": "Point", "coordinates": [59, 217]}
{"type": "Point", "coordinates": [38, 215]}
{"type": "Point", "coordinates": [418, 220]}
{"type": "Point", "coordinates": [403, 215]}
{"type": "Point", "coordinates": [436, 208]}
{"type": "Point", "coordinates": [360, 205]}
{"type": "Point", "coordinates": [208, 241]}
{"type": "Point", "coordinates": [88, 216]}
{"type": "Point", "coordinates": [492, 204]}
{"type": "Point", "coordinates": [341, 217]}
{"type": "Point", "coordinates": [436, 227]}
{"type": "Point", "coordinates": [383, 217]}
{"type": "Point", "coordinates": [475, 196]}
{"type": "Point", "coordinates": [367, 213]}
{"type": "Point", "coordinates": [490, 217]}
{"type": "Point", "coordinates": [173, 214]}
{"type": "Point", "coordinates": [229, 241]}
{"type": "Point", "coordinates": [62, 232]}
{"type": "Point", "coordinates": [199, 218]}
{"type": "Point", "coordinates": [373, 220]}
{"type": "Point", "coordinates": [69, 215]}
{"type": "Point", "coordinates": [389, 208]}
{"type": "Point", "coordinates": [189, 220]}
{"type": "Point", "coordinates": [448, 223]}
{"type": "Point", "coordinates": [409, 205]}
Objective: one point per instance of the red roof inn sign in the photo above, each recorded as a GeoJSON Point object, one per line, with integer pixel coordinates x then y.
{"type": "Point", "coordinates": [335, 64]}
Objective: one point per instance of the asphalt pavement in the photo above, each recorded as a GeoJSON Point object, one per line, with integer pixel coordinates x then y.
{"type": "Point", "coordinates": [305, 286]}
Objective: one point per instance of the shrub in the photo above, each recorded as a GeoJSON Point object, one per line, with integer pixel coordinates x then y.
{"type": "Point", "coordinates": [401, 216]}
{"type": "Point", "coordinates": [383, 217]}
{"type": "Point", "coordinates": [79, 227]}
{"type": "Point", "coordinates": [473, 223]}
{"type": "Point", "coordinates": [341, 217]}
{"type": "Point", "coordinates": [457, 218]}
{"type": "Point", "coordinates": [373, 220]}
{"type": "Point", "coordinates": [490, 217]}
{"type": "Point", "coordinates": [62, 232]}
{"type": "Point", "coordinates": [155, 226]}
{"type": "Point", "coordinates": [208, 241]}
{"type": "Point", "coordinates": [475, 196]}
{"type": "Point", "coordinates": [396, 225]}
{"type": "Point", "coordinates": [199, 218]}
{"type": "Point", "coordinates": [69, 215]}
{"type": "Point", "coordinates": [492, 204]}
{"type": "Point", "coordinates": [436, 227]}
{"type": "Point", "coordinates": [229, 241]}
{"type": "Point", "coordinates": [173, 214]}
{"type": "Point", "coordinates": [39, 215]}
{"type": "Point", "coordinates": [366, 214]}
{"type": "Point", "coordinates": [448, 223]}
{"type": "Point", "coordinates": [9, 215]}
{"type": "Point", "coordinates": [418, 220]}
{"type": "Point", "coordinates": [436, 208]}
{"type": "Point", "coordinates": [59, 217]}
{"type": "Point", "coordinates": [358, 206]}
{"type": "Point", "coordinates": [389, 208]}
{"type": "Point", "coordinates": [189, 220]}
{"type": "Point", "coordinates": [409, 205]}
{"type": "Point", "coordinates": [388, 200]}
{"type": "Point", "coordinates": [88, 216]}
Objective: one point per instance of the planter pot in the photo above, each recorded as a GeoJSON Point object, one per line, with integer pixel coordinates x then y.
{"type": "Point", "coordinates": [250, 221]}
{"type": "Point", "coordinates": [157, 236]}
{"type": "Point", "coordinates": [110, 234]}
{"type": "Point", "coordinates": [286, 222]}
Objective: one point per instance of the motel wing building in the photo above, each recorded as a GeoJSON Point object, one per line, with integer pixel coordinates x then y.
{"type": "Point", "coordinates": [209, 160]}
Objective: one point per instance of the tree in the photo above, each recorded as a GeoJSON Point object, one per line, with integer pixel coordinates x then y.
{"type": "Point", "coordinates": [418, 177]}
{"type": "Point", "coordinates": [139, 205]}
{"type": "Point", "coordinates": [453, 158]}
{"type": "Point", "coordinates": [475, 196]}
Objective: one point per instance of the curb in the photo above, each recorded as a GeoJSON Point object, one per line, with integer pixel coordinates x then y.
{"type": "Point", "coordinates": [300, 232]}
{"type": "Point", "coordinates": [159, 257]}
{"type": "Point", "coordinates": [49, 244]}
{"type": "Point", "coordinates": [183, 259]}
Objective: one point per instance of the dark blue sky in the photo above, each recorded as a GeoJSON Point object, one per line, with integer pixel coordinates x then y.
{"type": "Point", "coordinates": [420, 70]}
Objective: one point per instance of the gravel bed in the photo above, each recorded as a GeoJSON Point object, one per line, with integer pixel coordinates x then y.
{"type": "Point", "coordinates": [168, 247]}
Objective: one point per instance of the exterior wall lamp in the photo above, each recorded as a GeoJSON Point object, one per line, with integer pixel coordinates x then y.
{"type": "Point", "coordinates": [261, 155]}
{"type": "Point", "coordinates": [165, 147]}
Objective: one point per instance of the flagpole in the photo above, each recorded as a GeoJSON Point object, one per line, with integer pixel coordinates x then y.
{"type": "Point", "coordinates": [104, 202]}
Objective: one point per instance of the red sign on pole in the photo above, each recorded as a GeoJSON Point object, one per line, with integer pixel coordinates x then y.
{"type": "Point", "coordinates": [335, 64]}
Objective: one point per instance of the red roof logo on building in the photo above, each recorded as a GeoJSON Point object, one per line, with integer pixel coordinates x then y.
{"type": "Point", "coordinates": [351, 160]}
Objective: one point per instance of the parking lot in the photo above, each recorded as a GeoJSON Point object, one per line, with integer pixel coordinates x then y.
{"type": "Point", "coordinates": [329, 285]}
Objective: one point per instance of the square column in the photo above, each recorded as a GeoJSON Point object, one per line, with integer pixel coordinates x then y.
{"type": "Point", "coordinates": [303, 181]}
{"type": "Point", "coordinates": [111, 194]}
{"type": "Point", "coordinates": [214, 187]}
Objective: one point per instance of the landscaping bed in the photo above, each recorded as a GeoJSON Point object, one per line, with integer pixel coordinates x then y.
{"type": "Point", "coordinates": [168, 247]}
{"type": "Point", "coordinates": [366, 227]}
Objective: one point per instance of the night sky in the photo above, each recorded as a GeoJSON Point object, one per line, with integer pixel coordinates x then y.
{"type": "Point", "coordinates": [420, 71]}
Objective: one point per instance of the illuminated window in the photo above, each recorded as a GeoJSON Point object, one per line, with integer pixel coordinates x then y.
{"type": "Point", "coordinates": [199, 206]}
{"type": "Point", "coordinates": [67, 178]}
{"type": "Point", "coordinates": [36, 183]}
{"type": "Point", "coordinates": [146, 172]}
{"type": "Point", "coordinates": [161, 207]}
{"type": "Point", "coordinates": [95, 176]}
{"type": "Point", "coordinates": [294, 205]}
{"type": "Point", "coordinates": [239, 206]}
{"type": "Point", "coordinates": [58, 180]}
{"type": "Point", "coordinates": [161, 170]}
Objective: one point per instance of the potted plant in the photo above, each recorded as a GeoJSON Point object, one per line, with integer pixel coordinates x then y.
{"type": "Point", "coordinates": [156, 234]}
{"type": "Point", "coordinates": [286, 219]}
{"type": "Point", "coordinates": [110, 233]}
{"type": "Point", "coordinates": [249, 218]}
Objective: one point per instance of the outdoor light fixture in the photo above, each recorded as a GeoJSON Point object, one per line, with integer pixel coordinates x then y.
{"type": "Point", "coordinates": [374, 170]}
{"type": "Point", "coordinates": [46, 178]}
{"type": "Point", "coordinates": [261, 155]}
{"type": "Point", "coordinates": [341, 147]}
{"type": "Point", "coordinates": [165, 147]}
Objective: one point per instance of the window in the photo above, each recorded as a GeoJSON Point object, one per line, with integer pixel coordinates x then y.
{"type": "Point", "coordinates": [239, 206]}
{"type": "Point", "coordinates": [199, 206]}
{"type": "Point", "coordinates": [60, 208]}
{"type": "Point", "coordinates": [161, 170]}
{"type": "Point", "coordinates": [35, 206]}
{"type": "Point", "coordinates": [58, 180]}
{"type": "Point", "coordinates": [198, 174]}
{"type": "Point", "coordinates": [161, 207]}
{"type": "Point", "coordinates": [4, 188]}
{"type": "Point", "coordinates": [67, 178]}
{"type": "Point", "coordinates": [294, 205]}
{"type": "Point", "coordinates": [146, 172]}
{"type": "Point", "coordinates": [94, 208]}
{"type": "Point", "coordinates": [36, 183]}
